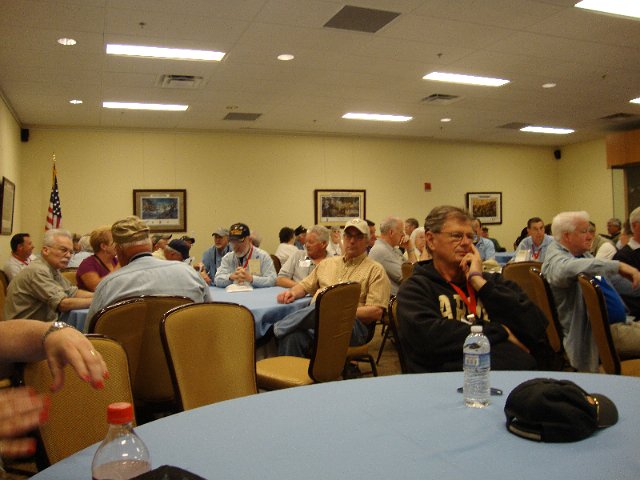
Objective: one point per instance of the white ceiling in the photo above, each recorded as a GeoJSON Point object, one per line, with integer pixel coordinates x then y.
{"type": "Point", "coordinates": [593, 58]}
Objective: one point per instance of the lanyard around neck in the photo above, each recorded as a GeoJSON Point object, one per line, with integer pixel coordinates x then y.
{"type": "Point", "coordinates": [247, 258]}
{"type": "Point", "coordinates": [470, 301]}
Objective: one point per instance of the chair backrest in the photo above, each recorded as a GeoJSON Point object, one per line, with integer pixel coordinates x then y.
{"type": "Point", "coordinates": [276, 263]}
{"type": "Point", "coordinates": [210, 349]}
{"type": "Point", "coordinates": [544, 300]}
{"type": "Point", "coordinates": [335, 312]}
{"type": "Point", "coordinates": [153, 381]}
{"type": "Point", "coordinates": [125, 321]}
{"type": "Point", "coordinates": [597, 313]}
{"type": "Point", "coordinates": [78, 415]}
{"type": "Point", "coordinates": [394, 326]}
{"type": "Point", "coordinates": [70, 274]}
{"type": "Point", "coordinates": [518, 272]}
{"type": "Point", "coordinates": [407, 270]}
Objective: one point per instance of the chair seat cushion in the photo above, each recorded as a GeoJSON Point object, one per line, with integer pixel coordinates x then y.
{"type": "Point", "coordinates": [630, 367]}
{"type": "Point", "coordinates": [275, 373]}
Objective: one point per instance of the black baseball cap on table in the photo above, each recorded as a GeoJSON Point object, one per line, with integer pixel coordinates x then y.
{"type": "Point", "coordinates": [549, 410]}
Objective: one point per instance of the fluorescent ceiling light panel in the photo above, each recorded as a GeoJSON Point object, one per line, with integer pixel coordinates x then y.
{"type": "Point", "coordinates": [626, 8]}
{"type": "Point", "coordinates": [635, 100]}
{"type": "Point", "coordinates": [145, 106]}
{"type": "Point", "coordinates": [465, 79]}
{"type": "Point", "coordinates": [556, 131]}
{"type": "Point", "coordinates": [376, 117]}
{"type": "Point", "coordinates": [161, 52]}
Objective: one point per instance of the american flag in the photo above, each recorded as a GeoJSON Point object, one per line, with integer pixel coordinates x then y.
{"type": "Point", "coordinates": [54, 216]}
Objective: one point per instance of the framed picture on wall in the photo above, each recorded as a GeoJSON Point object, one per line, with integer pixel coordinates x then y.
{"type": "Point", "coordinates": [485, 206]}
{"type": "Point", "coordinates": [162, 210]}
{"type": "Point", "coordinates": [336, 207]}
{"type": "Point", "coordinates": [7, 200]}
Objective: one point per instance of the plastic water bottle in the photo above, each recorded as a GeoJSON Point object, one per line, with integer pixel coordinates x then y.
{"type": "Point", "coordinates": [122, 454]}
{"type": "Point", "coordinates": [476, 365]}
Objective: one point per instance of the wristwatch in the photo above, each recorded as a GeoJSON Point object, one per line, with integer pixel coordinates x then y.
{"type": "Point", "coordinates": [55, 326]}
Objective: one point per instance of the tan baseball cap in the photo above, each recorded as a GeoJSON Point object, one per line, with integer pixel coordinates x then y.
{"type": "Point", "coordinates": [129, 229]}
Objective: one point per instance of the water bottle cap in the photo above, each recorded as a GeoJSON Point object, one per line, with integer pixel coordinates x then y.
{"type": "Point", "coordinates": [476, 328]}
{"type": "Point", "coordinates": [120, 412]}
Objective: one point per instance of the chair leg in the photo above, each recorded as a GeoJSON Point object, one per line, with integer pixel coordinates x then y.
{"type": "Point", "coordinates": [384, 340]}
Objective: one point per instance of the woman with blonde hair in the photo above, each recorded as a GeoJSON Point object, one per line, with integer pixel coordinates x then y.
{"type": "Point", "coordinates": [101, 263]}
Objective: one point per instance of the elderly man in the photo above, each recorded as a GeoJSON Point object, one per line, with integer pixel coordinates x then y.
{"type": "Point", "coordinates": [566, 258]}
{"type": "Point", "coordinates": [294, 331]}
{"type": "Point", "coordinates": [372, 234]}
{"type": "Point", "coordinates": [386, 252]}
{"type": "Point", "coordinates": [483, 245]}
{"type": "Point", "coordinates": [630, 253]}
{"type": "Point", "coordinates": [614, 229]}
{"type": "Point", "coordinates": [534, 246]}
{"type": "Point", "coordinates": [410, 224]}
{"type": "Point", "coordinates": [39, 291]}
{"type": "Point", "coordinates": [435, 303]}
{"type": "Point", "coordinates": [301, 264]}
{"type": "Point", "coordinates": [142, 273]}
{"type": "Point", "coordinates": [21, 255]}
{"type": "Point", "coordinates": [245, 264]}
{"type": "Point", "coordinates": [177, 250]}
{"type": "Point", "coordinates": [212, 258]}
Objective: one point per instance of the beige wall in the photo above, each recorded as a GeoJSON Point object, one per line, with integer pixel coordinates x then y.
{"type": "Point", "coordinates": [10, 168]}
{"type": "Point", "coordinates": [268, 180]}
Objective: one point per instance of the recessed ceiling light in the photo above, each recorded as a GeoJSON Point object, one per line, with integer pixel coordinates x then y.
{"type": "Point", "coordinates": [445, 120]}
{"type": "Point", "coordinates": [548, 85]}
{"type": "Point", "coordinates": [145, 106]}
{"type": "Point", "coordinates": [285, 57]}
{"type": "Point", "coordinates": [635, 100]}
{"type": "Point", "coordinates": [161, 52]}
{"type": "Point", "coordinates": [376, 117]}
{"type": "Point", "coordinates": [556, 131]}
{"type": "Point", "coordinates": [67, 42]}
{"type": "Point", "coordinates": [625, 8]}
{"type": "Point", "coordinates": [75, 101]}
{"type": "Point", "coordinates": [465, 79]}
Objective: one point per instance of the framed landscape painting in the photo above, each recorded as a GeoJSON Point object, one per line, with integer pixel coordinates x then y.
{"type": "Point", "coordinates": [336, 207]}
{"type": "Point", "coordinates": [6, 200]}
{"type": "Point", "coordinates": [485, 206]}
{"type": "Point", "coordinates": [162, 210]}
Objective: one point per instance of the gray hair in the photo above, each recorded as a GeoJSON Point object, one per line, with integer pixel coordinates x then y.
{"type": "Point", "coordinates": [85, 243]}
{"type": "Point", "coordinates": [49, 236]}
{"type": "Point", "coordinates": [439, 215]}
{"type": "Point", "coordinates": [415, 233]}
{"type": "Point", "coordinates": [615, 221]}
{"type": "Point", "coordinates": [634, 216]}
{"type": "Point", "coordinates": [565, 222]}
{"type": "Point", "coordinates": [390, 223]}
{"type": "Point", "coordinates": [321, 232]}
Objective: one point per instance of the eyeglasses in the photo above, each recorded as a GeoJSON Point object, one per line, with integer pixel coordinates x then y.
{"type": "Point", "coordinates": [457, 237]}
{"type": "Point", "coordinates": [63, 250]}
{"type": "Point", "coordinates": [352, 236]}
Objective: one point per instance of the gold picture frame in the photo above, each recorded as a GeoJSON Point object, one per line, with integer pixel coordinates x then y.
{"type": "Point", "coordinates": [337, 207]}
{"type": "Point", "coordinates": [162, 210]}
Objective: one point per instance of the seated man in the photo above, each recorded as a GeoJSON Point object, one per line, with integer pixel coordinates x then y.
{"type": "Point", "coordinates": [245, 263]}
{"type": "Point", "coordinates": [614, 229]}
{"type": "Point", "coordinates": [177, 250]}
{"type": "Point", "coordinates": [293, 331]}
{"type": "Point", "coordinates": [301, 264]}
{"type": "Point", "coordinates": [212, 258]}
{"type": "Point", "coordinates": [142, 273]}
{"type": "Point", "coordinates": [301, 236]}
{"type": "Point", "coordinates": [568, 256]}
{"type": "Point", "coordinates": [602, 247]}
{"type": "Point", "coordinates": [533, 247]}
{"type": "Point", "coordinates": [40, 291]}
{"type": "Point", "coordinates": [286, 248]}
{"type": "Point", "coordinates": [386, 252]}
{"type": "Point", "coordinates": [21, 255]}
{"type": "Point", "coordinates": [484, 246]}
{"type": "Point", "coordinates": [435, 302]}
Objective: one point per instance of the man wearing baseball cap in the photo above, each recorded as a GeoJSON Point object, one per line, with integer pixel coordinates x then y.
{"type": "Point", "coordinates": [212, 258]}
{"type": "Point", "coordinates": [293, 332]}
{"type": "Point", "coordinates": [142, 273]}
{"type": "Point", "coordinates": [245, 264]}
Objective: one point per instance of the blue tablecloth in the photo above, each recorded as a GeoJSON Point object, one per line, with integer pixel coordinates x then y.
{"type": "Point", "coordinates": [261, 301]}
{"type": "Point", "coordinates": [504, 257]}
{"type": "Point", "coordinates": [398, 427]}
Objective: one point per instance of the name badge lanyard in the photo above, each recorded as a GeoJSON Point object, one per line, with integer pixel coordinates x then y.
{"type": "Point", "coordinates": [247, 258]}
{"type": "Point", "coordinates": [470, 301]}
{"type": "Point", "coordinates": [535, 254]}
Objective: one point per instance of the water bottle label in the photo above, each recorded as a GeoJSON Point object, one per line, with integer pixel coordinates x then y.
{"type": "Point", "coordinates": [482, 360]}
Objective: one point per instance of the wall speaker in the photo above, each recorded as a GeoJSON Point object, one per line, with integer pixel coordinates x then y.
{"type": "Point", "coordinates": [557, 154]}
{"type": "Point", "coordinates": [24, 134]}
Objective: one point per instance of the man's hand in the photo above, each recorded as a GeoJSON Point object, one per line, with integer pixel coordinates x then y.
{"type": "Point", "coordinates": [69, 346]}
{"type": "Point", "coordinates": [630, 273]}
{"type": "Point", "coordinates": [21, 410]}
{"type": "Point", "coordinates": [472, 264]}
{"type": "Point", "coordinates": [286, 297]}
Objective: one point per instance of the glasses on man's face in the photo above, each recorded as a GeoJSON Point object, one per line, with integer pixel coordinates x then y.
{"type": "Point", "coordinates": [63, 250]}
{"type": "Point", "coordinates": [457, 237]}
